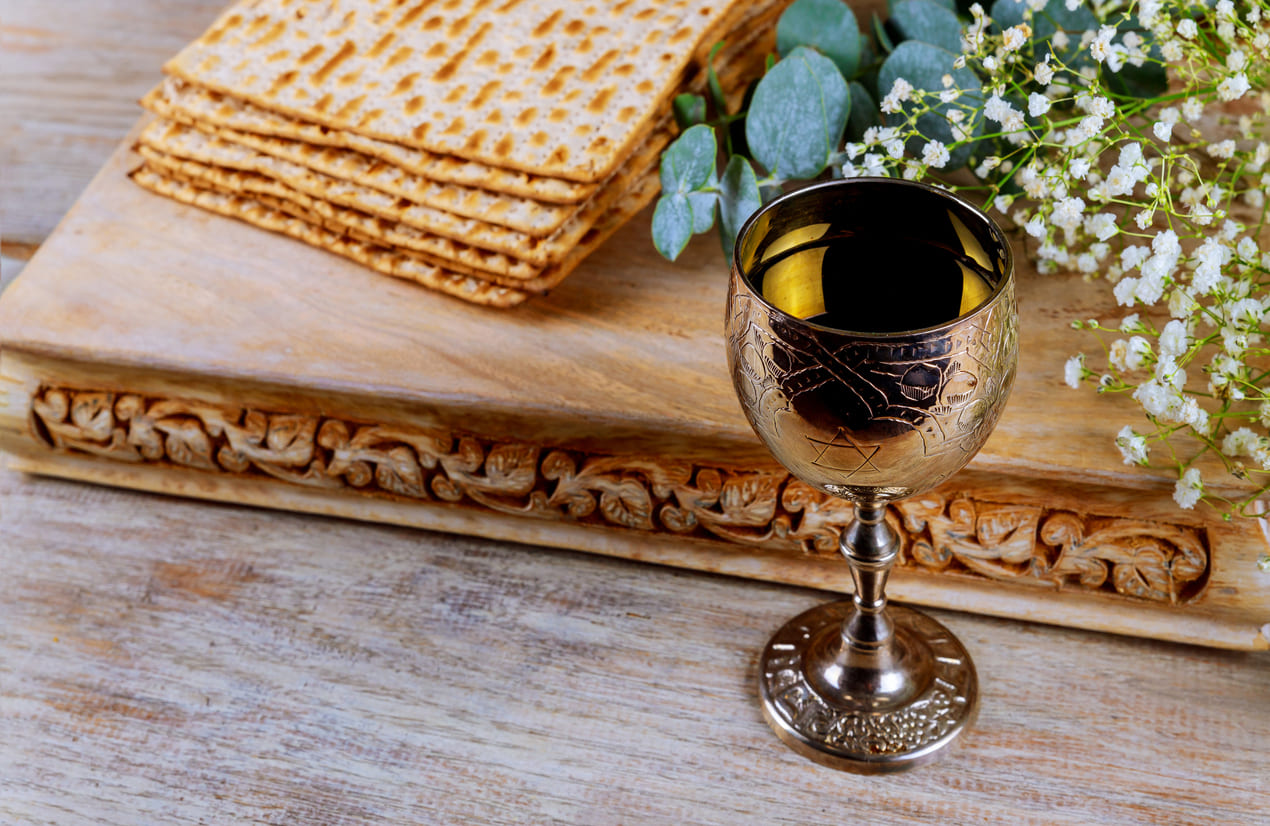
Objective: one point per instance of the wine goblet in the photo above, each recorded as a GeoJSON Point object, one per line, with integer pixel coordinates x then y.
{"type": "Point", "coordinates": [872, 337]}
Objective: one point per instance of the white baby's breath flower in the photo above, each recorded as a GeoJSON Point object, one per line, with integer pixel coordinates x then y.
{"type": "Point", "coordinates": [1044, 73]}
{"type": "Point", "coordinates": [1037, 105]}
{"type": "Point", "coordinates": [999, 110]}
{"type": "Point", "coordinates": [935, 154]}
{"type": "Point", "coordinates": [901, 89]}
{"type": "Point", "coordinates": [1103, 226]}
{"type": "Point", "coordinates": [1133, 447]}
{"type": "Point", "coordinates": [1015, 36]}
{"type": "Point", "coordinates": [1186, 28]}
{"type": "Point", "coordinates": [1168, 372]}
{"type": "Point", "coordinates": [1174, 339]}
{"type": "Point", "coordinates": [1192, 109]}
{"type": "Point", "coordinates": [1189, 489]}
{"type": "Point", "coordinates": [1068, 212]}
{"type": "Point", "coordinates": [1233, 87]}
{"type": "Point", "coordinates": [1074, 370]}
{"type": "Point", "coordinates": [1223, 150]}
{"type": "Point", "coordinates": [1035, 227]}
{"type": "Point", "coordinates": [1100, 47]}
{"type": "Point", "coordinates": [1242, 442]}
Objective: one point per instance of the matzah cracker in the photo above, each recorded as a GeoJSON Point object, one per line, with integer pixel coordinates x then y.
{"type": "Point", "coordinates": [521, 214]}
{"type": "Point", "coordinates": [191, 144]}
{"type": "Point", "coordinates": [487, 81]}
{"type": "Point", "coordinates": [178, 100]}
{"type": "Point", "coordinates": [354, 224]}
{"type": "Point", "coordinates": [387, 261]}
{"type": "Point", "coordinates": [462, 257]}
{"type": "Point", "coordinates": [382, 260]}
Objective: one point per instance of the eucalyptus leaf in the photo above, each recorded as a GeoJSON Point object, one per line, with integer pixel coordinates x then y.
{"type": "Point", "coordinates": [796, 118]}
{"type": "Point", "coordinates": [867, 74]}
{"type": "Point", "coordinates": [702, 206]}
{"type": "Point", "coordinates": [672, 224]}
{"type": "Point", "coordinates": [829, 26]}
{"type": "Point", "coordinates": [689, 110]}
{"type": "Point", "coordinates": [927, 21]}
{"type": "Point", "coordinates": [884, 39]}
{"type": "Point", "coordinates": [924, 66]}
{"type": "Point", "coordinates": [739, 198]}
{"type": "Point", "coordinates": [688, 163]}
{"type": "Point", "coordinates": [864, 112]}
{"type": "Point", "coordinates": [951, 5]}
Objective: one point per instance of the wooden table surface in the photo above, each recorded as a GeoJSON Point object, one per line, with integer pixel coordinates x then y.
{"type": "Point", "coordinates": [168, 661]}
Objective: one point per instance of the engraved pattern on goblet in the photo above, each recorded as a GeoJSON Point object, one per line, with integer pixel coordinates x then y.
{"type": "Point", "coordinates": [947, 389]}
{"type": "Point", "coordinates": [926, 721]}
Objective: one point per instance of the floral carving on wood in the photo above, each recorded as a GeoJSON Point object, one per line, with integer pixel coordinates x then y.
{"type": "Point", "coordinates": [947, 534]}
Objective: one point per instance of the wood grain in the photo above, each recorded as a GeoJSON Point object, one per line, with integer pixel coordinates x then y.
{"type": "Point", "coordinates": [71, 72]}
{"type": "Point", "coordinates": [138, 296]}
{"type": "Point", "coordinates": [169, 661]}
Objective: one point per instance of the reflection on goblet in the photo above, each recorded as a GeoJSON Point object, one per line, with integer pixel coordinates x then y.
{"type": "Point", "coordinates": [872, 338]}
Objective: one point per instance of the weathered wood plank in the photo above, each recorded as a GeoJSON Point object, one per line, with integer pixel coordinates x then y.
{"type": "Point", "coordinates": [71, 72]}
{"type": "Point", "coordinates": [168, 661]}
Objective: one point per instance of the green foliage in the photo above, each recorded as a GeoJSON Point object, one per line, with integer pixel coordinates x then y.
{"type": "Point", "coordinates": [690, 110]}
{"type": "Point", "coordinates": [826, 85]}
{"type": "Point", "coordinates": [864, 111]}
{"type": "Point", "coordinates": [687, 167]}
{"type": "Point", "coordinates": [797, 116]}
{"type": "Point", "coordinates": [1146, 81]}
{"type": "Point", "coordinates": [1053, 18]}
{"type": "Point", "coordinates": [739, 198]}
{"type": "Point", "coordinates": [829, 26]}
{"type": "Point", "coordinates": [928, 22]}
{"type": "Point", "coordinates": [924, 66]}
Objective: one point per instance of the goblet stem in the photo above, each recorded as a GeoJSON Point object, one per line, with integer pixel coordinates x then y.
{"type": "Point", "coordinates": [870, 546]}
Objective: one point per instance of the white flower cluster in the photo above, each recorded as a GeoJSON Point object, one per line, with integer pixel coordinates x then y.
{"type": "Point", "coordinates": [1161, 192]}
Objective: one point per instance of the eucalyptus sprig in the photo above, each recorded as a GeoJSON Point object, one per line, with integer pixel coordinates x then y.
{"type": "Point", "coordinates": [790, 128]}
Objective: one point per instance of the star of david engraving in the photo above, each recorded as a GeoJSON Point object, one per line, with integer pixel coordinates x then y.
{"type": "Point", "coordinates": [841, 454]}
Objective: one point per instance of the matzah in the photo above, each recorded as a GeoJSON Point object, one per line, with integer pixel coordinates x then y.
{"type": "Point", "coordinates": [378, 258]}
{"type": "Point", "coordinates": [190, 144]}
{"type": "Point", "coordinates": [552, 88]}
{"type": "Point", "coordinates": [385, 260]}
{"type": "Point", "coordinates": [533, 218]}
{"type": "Point", "coordinates": [189, 104]}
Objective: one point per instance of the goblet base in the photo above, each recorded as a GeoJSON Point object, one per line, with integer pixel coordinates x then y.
{"type": "Point", "coordinates": [852, 728]}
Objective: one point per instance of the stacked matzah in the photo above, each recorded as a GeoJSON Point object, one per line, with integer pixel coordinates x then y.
{"type": "Point", "coordinates": [479, 147]}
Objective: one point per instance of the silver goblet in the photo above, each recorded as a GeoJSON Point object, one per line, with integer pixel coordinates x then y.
{"type": "Point", "coordinates": [867, 381]}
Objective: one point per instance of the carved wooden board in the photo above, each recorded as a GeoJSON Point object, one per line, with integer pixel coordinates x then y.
{"type": "Point", "coordinates": [155, 346]}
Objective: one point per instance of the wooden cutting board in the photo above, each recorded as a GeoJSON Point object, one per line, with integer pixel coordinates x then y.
{"type": "Point", "coordinates": [156, 346]}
